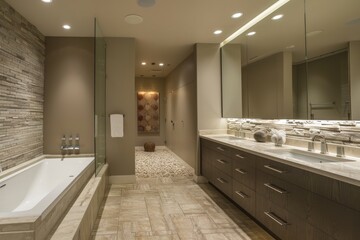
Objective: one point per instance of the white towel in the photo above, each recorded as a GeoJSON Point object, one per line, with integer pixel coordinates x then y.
{"type": "Point", "coordinates": [117, 125]}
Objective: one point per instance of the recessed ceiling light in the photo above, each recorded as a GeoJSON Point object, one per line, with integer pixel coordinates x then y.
{"type": "Point", "coordinates": [277, 17]}
{"type": "Point", "coordinates": [146, 3]}
{"type": "Point", "coordinates": [236, 15]}
{"type": "Point", "coordinates": [290, 47]}
{"type": "Point", "coordinates": [143, 63]}
{"type": "Point", "coordinates": [46, 1]}
{"type": "Point", "coordinates": [217, 32]}
{"type": "Point", "coordinates": [133, 19]}
{"type": "Point", "coordinates": [251, 33]}
{"type": "Point", "coordinates": [161, 64]}
{"type": "Point", "coordinates": [66, 26]}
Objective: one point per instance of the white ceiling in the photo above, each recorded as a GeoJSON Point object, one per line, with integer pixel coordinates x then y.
{"type": "Point", "coordinates": [168, 33]}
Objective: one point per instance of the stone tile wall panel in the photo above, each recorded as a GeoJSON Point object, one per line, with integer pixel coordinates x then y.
{"type": "Point", "coordinates": [22, 55]}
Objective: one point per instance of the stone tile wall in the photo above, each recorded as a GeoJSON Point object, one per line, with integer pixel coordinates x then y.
{"type": "Point", "coordinates": [22, 51]}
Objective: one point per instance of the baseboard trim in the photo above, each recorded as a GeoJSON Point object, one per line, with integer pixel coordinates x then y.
{"type": "Point", "coordinates": [200, 179]}
{"type": "Point", "coordinates": [121, 179]}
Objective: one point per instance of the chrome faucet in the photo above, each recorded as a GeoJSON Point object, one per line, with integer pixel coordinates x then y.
{"type": "Point", "coordinates": [77, 143]}
{"type": "Point", "coordinates": [340, 151]}
{"type": "Point", "coordinates": [324, 147]}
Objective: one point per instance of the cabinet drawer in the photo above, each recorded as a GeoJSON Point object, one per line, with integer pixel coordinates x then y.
{"type": "Point", "coordinates": [217, 147]}
{"type": "Point", "coordinates": [244, 157]}
{"type": "Point", "coordinates": [285, 172]}
{"type": "Point", "coordinates": [283, 194]}
{"type": "Point", "coordinates": [279, 221]}
{"type": "Point", "coordinates": [244, 196]}
{"type": "Point", "coordinates": [222, 181]}
{"type": "Point", "coordinates": [244, 173]}
{"type": "Point", "coordinates": [338, 221]}
{"type": "Point", "coordinates": [222, 163]}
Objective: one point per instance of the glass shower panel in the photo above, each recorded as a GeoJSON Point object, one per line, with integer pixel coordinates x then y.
{"type": "Point", "coordinates": [100, 98]}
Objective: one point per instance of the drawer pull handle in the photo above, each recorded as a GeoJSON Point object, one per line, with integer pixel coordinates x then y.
{"type": "Point", "coordinates": [221, 180]}
{"type": "Point", "coordinates": [221, 161]}
{"type": "Point", "coordinates": [276, 219]}
{"type": "Point", "coordinates": [241, 194]}
{"type": "Point", "coordinates": [274, 169]}
{"type": "Point", "coordinates": [239, 156]}
{"type": "Point", "coordinates": [220, 149]}
{"type": "Point", "coordinates": [275, 188]}
{"type": "Point", "coordinates": [240, 171]}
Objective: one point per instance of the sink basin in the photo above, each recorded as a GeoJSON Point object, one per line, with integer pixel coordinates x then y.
{"type": "Point", "coordinates": [307, 156]}
{"type": "Point", "coordinates": [227, 137]}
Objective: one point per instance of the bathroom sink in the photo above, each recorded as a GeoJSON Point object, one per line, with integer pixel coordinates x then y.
{"type": "Point", "coordinates": [307, 156]}
{"type": "Point", "coordinates": [227, 137]}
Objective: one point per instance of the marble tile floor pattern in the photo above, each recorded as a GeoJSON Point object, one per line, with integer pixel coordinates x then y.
{"type": "Point", "coordinates": [161, 163]}
{"type": "Point", "coordinates": [171, 208]}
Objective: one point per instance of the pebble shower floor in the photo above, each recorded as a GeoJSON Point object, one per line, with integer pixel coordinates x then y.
{"type": "Point", "coordinates": [161, 163]}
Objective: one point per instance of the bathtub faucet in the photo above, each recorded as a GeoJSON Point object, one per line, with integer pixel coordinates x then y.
{"type": "Point", "coordinates": [71, 147]}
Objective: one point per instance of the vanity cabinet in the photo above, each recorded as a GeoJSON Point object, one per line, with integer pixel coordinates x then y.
{"type": "Point", "coordinates": [291, 202]}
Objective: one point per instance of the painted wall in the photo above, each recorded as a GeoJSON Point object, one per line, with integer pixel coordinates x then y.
{"type": "Point", "coordinates": [120, 98]}
{"type": "Point", "coordinates": [69, 92]}
{"type": "Point", "coordinates": [157, 85]}
{"type": "Point", "coordinates": [208, 80]}
{"type": "Point", "coordinates": [22, 51]}
{"type": "Point", "coordinates": [208, 77]}
{"type": "Point", "coordinates": [181, 126]}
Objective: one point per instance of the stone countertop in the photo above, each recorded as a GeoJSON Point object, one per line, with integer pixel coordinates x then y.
{"type": "Point", "coordinates": [348, 172]}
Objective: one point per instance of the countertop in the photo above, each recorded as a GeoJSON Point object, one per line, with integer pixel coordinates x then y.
{"type": "Point", "coordinates": [348, 172]}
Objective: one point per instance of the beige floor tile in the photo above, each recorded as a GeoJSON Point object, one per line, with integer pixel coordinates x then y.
{"type": "Point", "coordinates": [106, 226]}
{"type": "Point", "coordinates": [176, 208]}
{"type": "Point", "coordinates": [192, 208]}
{"type": "Point", "coordinates": [104, 237]}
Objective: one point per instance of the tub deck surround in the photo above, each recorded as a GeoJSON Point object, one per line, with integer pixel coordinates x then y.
{"type": "Point", "coordinates": [37, 196]}
{"type": "Point", "coordinates": [348, 172]}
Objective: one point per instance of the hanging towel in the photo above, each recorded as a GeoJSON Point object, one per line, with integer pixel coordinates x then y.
{"type": "Point", "coordinates": [117, 125]}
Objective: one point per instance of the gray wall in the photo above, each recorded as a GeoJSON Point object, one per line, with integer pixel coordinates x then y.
{"type": "Point", "coordinates": [120, 98]}
{"type": "Point", "coordinates": [208, 87]}
{"type": "Point", "coordinates": [157, 85]}
{"type": "Point", "coordinates": [208, 80]}
{"type": "Point", "coordinates": [22, 50]}
{"type": "Point", "coordinates": [69, 92]}
{"type": "Point", "coordinates": [181, 109]}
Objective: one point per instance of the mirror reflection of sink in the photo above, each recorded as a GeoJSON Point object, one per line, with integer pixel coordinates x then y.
{"type": "Point", "coordinates": [307, 156]}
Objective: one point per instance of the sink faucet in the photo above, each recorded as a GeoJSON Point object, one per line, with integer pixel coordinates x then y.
{"type": "Point", "coordinates": [324, 147]}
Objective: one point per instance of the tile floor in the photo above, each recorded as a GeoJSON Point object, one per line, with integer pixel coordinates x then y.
{"type": "Point", "coordinates": [171, 208]}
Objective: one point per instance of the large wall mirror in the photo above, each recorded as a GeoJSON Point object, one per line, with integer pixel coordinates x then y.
{"type": "Point", "coordinates": [300, 67]}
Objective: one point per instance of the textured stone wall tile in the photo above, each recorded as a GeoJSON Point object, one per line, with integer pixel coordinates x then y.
{"type": "Point", "coordinates": [22, 55]}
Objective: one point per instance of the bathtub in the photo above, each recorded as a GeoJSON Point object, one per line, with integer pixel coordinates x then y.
{"type": "Point", "coordinates": [35, 198]}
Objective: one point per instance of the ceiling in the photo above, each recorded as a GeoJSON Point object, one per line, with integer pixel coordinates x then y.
{"type": "Point", "coordinates": [167, 34]}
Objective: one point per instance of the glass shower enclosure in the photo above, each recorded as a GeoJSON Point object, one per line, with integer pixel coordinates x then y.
{"type": "Point", "coordinates": [100, 97]}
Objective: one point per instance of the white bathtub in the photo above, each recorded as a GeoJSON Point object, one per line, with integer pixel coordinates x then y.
{"type": "Point", "coordinates": [34, 192]}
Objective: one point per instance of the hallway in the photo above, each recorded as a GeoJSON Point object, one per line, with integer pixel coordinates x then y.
{"type": "Point", "coordinates": [161, 163]}
{"type": "Point", "coordinates": [171, 208]}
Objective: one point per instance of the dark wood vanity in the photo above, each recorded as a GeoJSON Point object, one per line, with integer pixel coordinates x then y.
{"type": "Point", "coordinates": [290, 202]}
